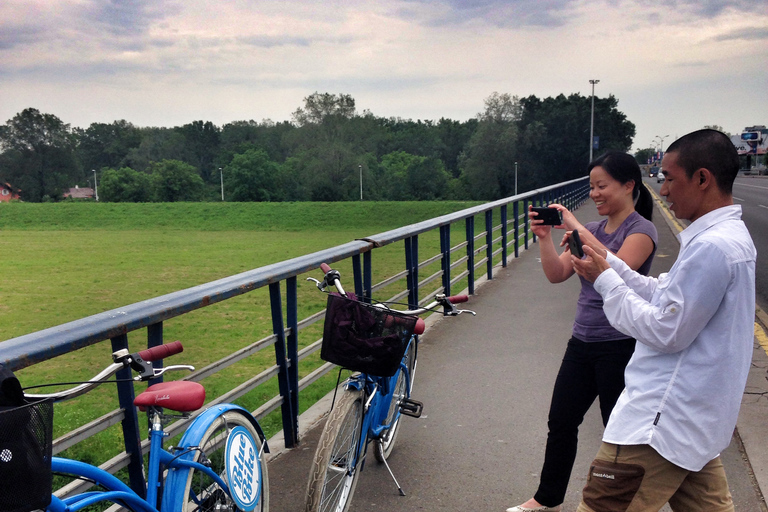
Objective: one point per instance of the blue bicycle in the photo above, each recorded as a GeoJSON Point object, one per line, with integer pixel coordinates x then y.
{"type": "Point", "coordinates": [218, 464]}
{"type": "Point", "coordinates": [381, 344]}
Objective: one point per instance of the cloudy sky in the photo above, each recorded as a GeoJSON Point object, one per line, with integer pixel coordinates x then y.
{"type": "Point", "coordinates": [673, 65]}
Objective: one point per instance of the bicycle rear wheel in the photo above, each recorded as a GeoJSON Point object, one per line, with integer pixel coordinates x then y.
{"type": "Point", "coordinates": [403, 387]}
{"type": "Point", "coordinates": [201, 492]}
{"type": "Point", "coordinates": [335, 468]}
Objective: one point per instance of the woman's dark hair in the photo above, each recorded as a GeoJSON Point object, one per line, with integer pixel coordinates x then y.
{"type": "Point", "coordinates": [623, 168]}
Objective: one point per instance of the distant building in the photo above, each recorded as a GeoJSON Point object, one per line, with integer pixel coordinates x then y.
{"type": "Point", "coordinates": [79, 193]}
{"type": "Point", "coordinates": [7, 193]}
{"type": "Point", "coordinates": [751, 139]}
{"type": "Point", "coordinates": [752, 143]}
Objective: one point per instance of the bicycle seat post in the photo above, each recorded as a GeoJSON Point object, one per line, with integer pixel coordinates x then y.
{"type": "Point", "coordinates": [156, 445]}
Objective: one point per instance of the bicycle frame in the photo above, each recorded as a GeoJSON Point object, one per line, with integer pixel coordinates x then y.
{"type": "Point", "coordinates": [178, 466]}
{"type": "Point", "coordinates": [378, 396]}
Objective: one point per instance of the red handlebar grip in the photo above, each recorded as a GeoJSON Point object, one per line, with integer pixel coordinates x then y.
{"type": "Point", "coordinates": [395, 320]}
{"type": "Point", "coordinates": [325, 267]}
{"type": "Point", "coordinates": [161, 351]}
{"type": "Point", "coordinates": [457, 299]}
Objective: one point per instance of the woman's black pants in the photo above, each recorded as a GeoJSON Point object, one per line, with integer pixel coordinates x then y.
{"type": "Point", "coordinates": [588, 371]}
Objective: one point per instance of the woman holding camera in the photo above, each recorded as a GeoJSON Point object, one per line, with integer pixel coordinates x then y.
{"type": "Point", "coordinates": [594, 360]}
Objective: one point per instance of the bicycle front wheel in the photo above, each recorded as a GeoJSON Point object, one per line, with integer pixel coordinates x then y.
{"type": "Point", "coordinates": [201, 492]}
{"type": "Point", "coordinates": [336, 466]}
{"type": "Point", "coordinates": [402, 390]}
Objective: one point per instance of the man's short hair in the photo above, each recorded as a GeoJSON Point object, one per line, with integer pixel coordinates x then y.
{"type": "Point", "coordinates": [711, 150]}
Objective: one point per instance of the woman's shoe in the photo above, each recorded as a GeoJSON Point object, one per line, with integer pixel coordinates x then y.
{"type": "Point", "coordinates": [521, 508]}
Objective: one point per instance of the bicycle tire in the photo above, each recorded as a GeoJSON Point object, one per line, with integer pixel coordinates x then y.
{"type": "Point", "coordinates": [332, 491]}
{"type": "Point", "coordinates": [386, 443]}
{"type": "Point", "coordinates": [213, 444]}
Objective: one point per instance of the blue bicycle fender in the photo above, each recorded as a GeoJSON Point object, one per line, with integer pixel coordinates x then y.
{"type": "Point", "coordinates": [195, 432]}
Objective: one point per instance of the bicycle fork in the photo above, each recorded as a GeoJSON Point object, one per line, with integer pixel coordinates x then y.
{"type": "Point", "coordinates": [408, 407]}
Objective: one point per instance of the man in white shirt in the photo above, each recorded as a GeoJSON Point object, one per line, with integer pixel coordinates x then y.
{"type": "Point", "coordinates": [694, 328]}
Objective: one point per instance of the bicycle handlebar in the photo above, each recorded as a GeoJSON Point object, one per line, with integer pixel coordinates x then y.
{"type": "Point", "coordinates": [332, 277]}
{"type": "Point", "coordinates": [138, 361]}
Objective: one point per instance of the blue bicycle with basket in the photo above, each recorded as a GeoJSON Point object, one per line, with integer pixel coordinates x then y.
{"type": "Point", "coordinates": [379, 345]}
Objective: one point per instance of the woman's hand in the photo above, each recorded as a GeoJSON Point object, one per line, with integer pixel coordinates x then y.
{"type": "Point", "coordinates": [539, 229]}
{"type": "Point", "coordinates": [569, 220]}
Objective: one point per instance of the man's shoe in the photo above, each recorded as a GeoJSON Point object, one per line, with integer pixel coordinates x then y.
{"type": "Point", "coordinates": [521, 508]}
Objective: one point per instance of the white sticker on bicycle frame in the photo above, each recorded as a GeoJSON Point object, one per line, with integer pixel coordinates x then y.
{"type": "Point", "coordinates": [243, 469]}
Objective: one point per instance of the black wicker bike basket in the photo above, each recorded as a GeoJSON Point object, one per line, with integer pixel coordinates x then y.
{"type": "Point", "coordinates": [364, 338]}
{"type": "Point", "coordinates": [25, 457]}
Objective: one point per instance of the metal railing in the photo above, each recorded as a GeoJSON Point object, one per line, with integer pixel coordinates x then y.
{"type": "Point", "coordinates": [508, 235]}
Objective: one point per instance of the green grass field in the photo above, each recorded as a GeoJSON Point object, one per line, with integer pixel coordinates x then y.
{"type": "Point", "coordinates": [67, 261]}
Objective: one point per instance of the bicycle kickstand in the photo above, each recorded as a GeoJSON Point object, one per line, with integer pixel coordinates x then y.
{"type": "Point", "coordinates": [386, 464]}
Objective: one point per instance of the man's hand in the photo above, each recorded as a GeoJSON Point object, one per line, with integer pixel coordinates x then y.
{"type": "Point", "coordinates": [591, 266]}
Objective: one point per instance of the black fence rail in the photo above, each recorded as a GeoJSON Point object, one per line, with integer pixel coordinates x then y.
{"type": "Point", "coordinates": [502, 237]}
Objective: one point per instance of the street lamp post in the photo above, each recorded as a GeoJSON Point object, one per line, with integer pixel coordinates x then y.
{"type": "Point", "coordinates": [221, 174]}
{"type": "Point", "coordinates": [515, 178]}
{"type": "Point", "coordinates": [592, 121]}
{"type": "Point", "coordinates": [361, 181]}
{"type": "Point", "coordinates": [661, 142]}
{"type": "Point", "coordinates": [95, 185]}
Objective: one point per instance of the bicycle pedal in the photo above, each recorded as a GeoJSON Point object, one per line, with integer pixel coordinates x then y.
{"type": "Point", "coordinates": [411, 407]}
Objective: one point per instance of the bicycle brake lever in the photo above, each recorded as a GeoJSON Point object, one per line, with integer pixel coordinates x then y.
{"type": "Point", "coordinates": [320, 284]}
{"type": "Point", "coordinates": [157, 372]}
{"type": "Point", "coordinates": [460, 311]}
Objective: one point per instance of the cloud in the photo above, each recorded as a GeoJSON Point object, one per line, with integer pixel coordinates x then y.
{"type": "Point", "coordinates": [714, 8]}
{"type": "Point", "coordinates": [126, 17]}
{"type": "Point", "coordinates": [12, 35]}
{"type": "Point", "coordinates": [745, 34]}
{"type": "Point", "coordinates": [499, 13]}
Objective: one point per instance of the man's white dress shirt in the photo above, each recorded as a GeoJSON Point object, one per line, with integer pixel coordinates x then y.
{"type": "Point", "coordinates": [694, 327]}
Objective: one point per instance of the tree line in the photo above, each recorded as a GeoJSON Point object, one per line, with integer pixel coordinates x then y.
{"type": "Point", "coordinates": [323, 154]}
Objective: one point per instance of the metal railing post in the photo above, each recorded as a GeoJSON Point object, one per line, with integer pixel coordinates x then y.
{"type": "Point", "coordinates": [525, 222]}
{"type": "Point", "coordinates": [412, 266]}
{"type": "Point", "coordinates": [357, 273]}
{"type": "Point", "coordinates": [290, 418]}
{"type": "Point", "coordinates": [445, 261]}
{"type": "Point", "coordinates": [155, 338]}
{"type": "Point", "coordinates": [470, 228]}
{"type": "Point", "coordinates": [503, 214]}
{"type": "Point", "coordinates": [516, 210]}
{"type": "Point", "coordinates": [292, 346]}
{"type": "Point", "coordinates": [489, 243]}
{"type": "Point", "coordinates": [130, 422]}
{"type": "Point", "coordinates": [367, 274]}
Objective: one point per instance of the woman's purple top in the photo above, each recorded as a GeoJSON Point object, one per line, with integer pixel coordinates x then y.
{"type": "Point", "coordinates": [590, 323]}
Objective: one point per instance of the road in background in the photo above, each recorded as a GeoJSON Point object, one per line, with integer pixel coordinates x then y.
{"type": "Point", "coordinates": [751, 192]}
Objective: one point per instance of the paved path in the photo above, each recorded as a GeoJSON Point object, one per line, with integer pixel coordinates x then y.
{"type": "Point", "coordinates": [486, 383]}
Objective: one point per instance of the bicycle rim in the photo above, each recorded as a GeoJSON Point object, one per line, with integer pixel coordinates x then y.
{"type": "Point", "coordinates": [201, 492]}
{"type": "Point", "coordinates": [335, 467]}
